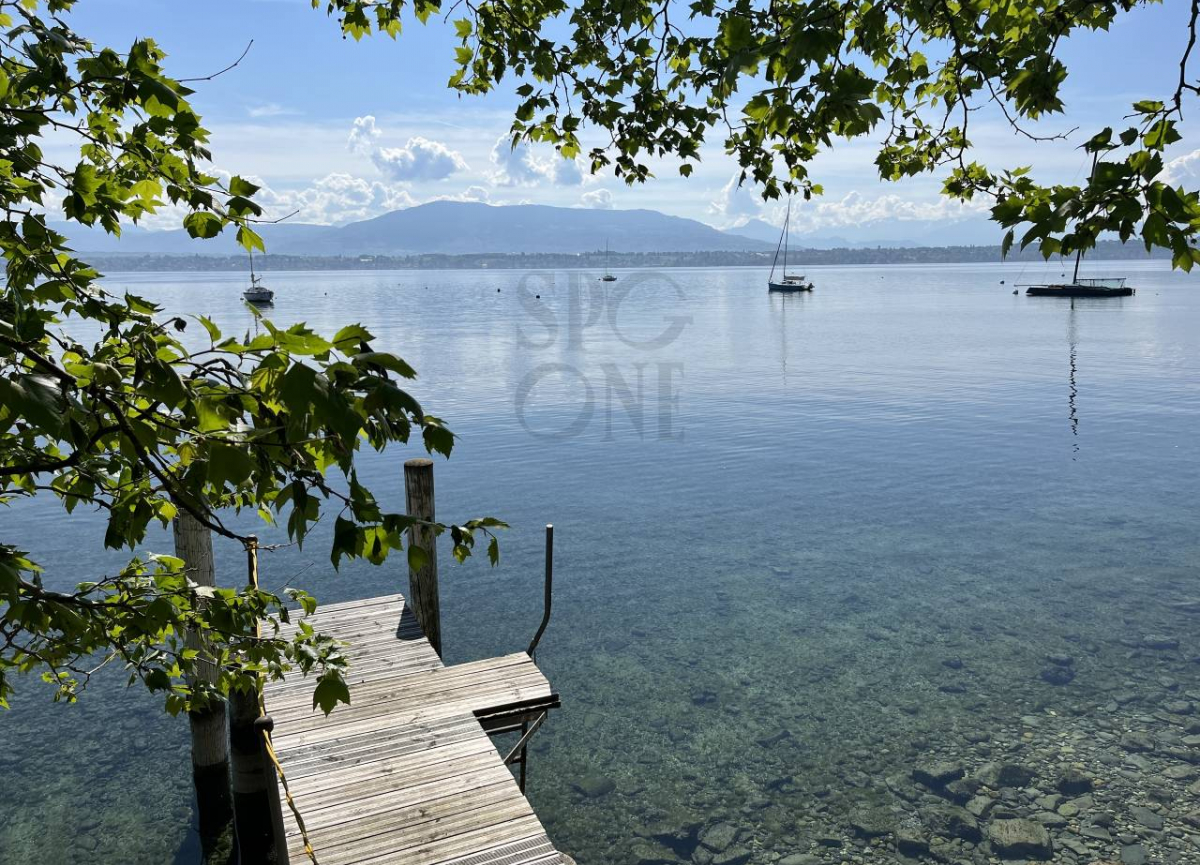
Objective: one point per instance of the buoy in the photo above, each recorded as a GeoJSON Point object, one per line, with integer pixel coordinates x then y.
{"type": "Point", "coordinates": [538, 296]}
{"type": "Point", "coordinates": [1002, 282]}
{"type": "Point", "coordinates": [1015, 291]}
{"type": "Point", "coordinates": [497, 291]}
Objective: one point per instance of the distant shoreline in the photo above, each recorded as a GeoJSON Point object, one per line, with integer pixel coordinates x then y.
{"type": "Point", "coordinates": [132, 263]}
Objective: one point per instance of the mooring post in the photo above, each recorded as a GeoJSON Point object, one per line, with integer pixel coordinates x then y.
{"type": "Point", "coordinates": [257, 813]}
{"type": "Point", "coordinates": [253, 781]}
{"type": "Point", "coordinates": [423, 582]}
{"type": "Point", "coordinates": [210, 745]}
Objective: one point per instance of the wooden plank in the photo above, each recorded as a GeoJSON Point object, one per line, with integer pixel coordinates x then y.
{"type": "Point", "coordinates": [359, 673]}
{"type": "Point", "coordinates": [413, 685]}
{"type": "Point", "coordinates": [394, 623]}
{"type": "Point", "coordinates": [408, 673]}
{"type": "Point", "coordinates": [396, 834]}
{"type": "Point", "coordinates": [473, 694]}
{"type": "Point", "coordinates": [534, 850]}
{"type": "Point", "coordinates": [388, 744]}
{"type": "Point", "coordinates": [375, 723]}
{"type": "Point", "coordinates": [440, 849]}
{"type": "Point", "coordinates": [369, 806]}
{"type": "Point", "coordinates": [394, 775]}
{"type": "Point", "coordinates": [360, 604]}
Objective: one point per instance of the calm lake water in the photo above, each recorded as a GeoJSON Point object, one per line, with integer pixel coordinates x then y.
{"type": "Point", "coordinates": [796, 536]}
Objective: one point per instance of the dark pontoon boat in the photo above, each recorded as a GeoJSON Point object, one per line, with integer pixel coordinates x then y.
{"type": "Point", "coordinates": [1107, 286]}
{"type": "Point", "coordinates": [1110, 286]}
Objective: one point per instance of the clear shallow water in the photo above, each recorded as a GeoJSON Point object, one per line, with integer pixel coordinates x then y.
{"type": "Point", "coordinates": [813, 504]}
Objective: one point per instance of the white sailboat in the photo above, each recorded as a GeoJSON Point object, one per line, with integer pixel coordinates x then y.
{"type": "Point", "coordinates": [786, 281]}
{"type": "Point", "coordinates": [257, 293]}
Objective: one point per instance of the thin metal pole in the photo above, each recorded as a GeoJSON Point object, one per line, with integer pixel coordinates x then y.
{"type": "Point", "coordinates": [524, 753]}
{"type": "Point", "coordinates": [549, 589]}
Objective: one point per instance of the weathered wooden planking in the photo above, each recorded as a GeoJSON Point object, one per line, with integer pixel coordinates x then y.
{"type": "Point", "coordinates": [405, 773]}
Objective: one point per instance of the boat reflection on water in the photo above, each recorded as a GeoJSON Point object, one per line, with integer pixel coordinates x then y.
{"type": "Point", "coordinates": [1072, 387]}
{"type": "Point", "coordinates": [783, 300]}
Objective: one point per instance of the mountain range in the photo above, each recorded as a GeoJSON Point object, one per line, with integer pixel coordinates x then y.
{"type": "Point", "coordinates": [448, 228]}
{"type": "Point", "coordinates": [459, 227]}
{"type": "Point", "coordinates": [888, 233]}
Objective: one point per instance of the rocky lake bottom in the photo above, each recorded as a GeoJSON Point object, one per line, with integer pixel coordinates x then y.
{"type": "Point", "coordinates": [920, 728]}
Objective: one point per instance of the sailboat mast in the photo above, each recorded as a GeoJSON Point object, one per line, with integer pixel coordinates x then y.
{"type": "Point", "coordinates": [1079, 252]}
{"type": "Point", "coordinates": [787, 224]}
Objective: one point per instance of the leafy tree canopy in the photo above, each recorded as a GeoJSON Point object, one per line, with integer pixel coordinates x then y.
{"type": "Point", "coordinates": [131, 421]}
{"type": "Point", "coordinates": [782, 80]}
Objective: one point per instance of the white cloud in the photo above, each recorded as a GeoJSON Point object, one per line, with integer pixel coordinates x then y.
{"type": "Point", "coordinates": [515, 164]}
{"type": "Point", "coordinates": [855, 209]}
{"type": "Point", "coordinates": [471, 193]}
{"type": "Point", "coordinates": [420, 159]}
{"type": "Point", "coordinates": [565, 172]}
{"type": "Point", "coordinates": [1184, 170]}
{"type": "Point", "coordinates": [364, 135]}
{"type": "Point", "coordinates": [270, 109]}
{"type": "Point", "coordinates": [333, 199]}
{"type": "Point", "coordinates": [518, 166]}
{"type": "Point", "coordinates": [737, 202]}
{"type": "Point", "coordinates": [597, 199]}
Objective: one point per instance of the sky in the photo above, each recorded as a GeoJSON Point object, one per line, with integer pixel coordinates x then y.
{"type": "Point", "coordinates": [342, 131]}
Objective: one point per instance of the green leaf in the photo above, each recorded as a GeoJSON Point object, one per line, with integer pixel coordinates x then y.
{"type": "Point", "coordinates": [203, 225]}
{"type": "Point", "coordinates": [385, 361]}
{"type": "Point", "coordinates": [214, 332]}
{"type": "Point", "coordinates": [331, 689]}
{"type": "Point", "coordinates": [437, 438]}
{"type": "Point", "coordinates": [417, 558]}
{"type": "Point", "coordinates": [242, 187]}
{"type": "Point", "coordinates": [250, 240]}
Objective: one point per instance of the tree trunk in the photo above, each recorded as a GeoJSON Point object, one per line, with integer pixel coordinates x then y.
{"type": "Point", "coordinates": [210, 745]}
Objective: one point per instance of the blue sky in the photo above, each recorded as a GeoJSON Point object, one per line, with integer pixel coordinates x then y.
{"type": "Point", "coordinates": [344, 130]}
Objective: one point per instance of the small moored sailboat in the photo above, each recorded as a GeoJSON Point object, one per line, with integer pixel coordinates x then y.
{"type": "Point", "coordinates": [786, 281]}
{"type": "Point", "coordinates": [257, 293]}
{"type": "Point", "coordinates": [608, 277]}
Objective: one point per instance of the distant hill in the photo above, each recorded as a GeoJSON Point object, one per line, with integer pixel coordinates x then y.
{"type": "Point", "coordinates": [886, 233]}
{"type": "Point", "coordinates": [137, 240]}
{"type": "Point", "coordinates": [757, 229]}
{"type": "Point", "coordinates": [448, 228]}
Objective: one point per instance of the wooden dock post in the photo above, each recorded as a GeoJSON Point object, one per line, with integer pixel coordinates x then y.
{"type": "Point", "coordinates": [210, 745]}
{"type": "Point", "coordinates": [423, 583]}
{"type": "Point", "coordinates": [254, 784]}
{"type": "Point", "coordinates": [256, 808]}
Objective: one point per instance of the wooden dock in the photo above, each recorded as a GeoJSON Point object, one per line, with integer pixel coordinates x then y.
{"type": "Point", "coordinates": [407, 773]}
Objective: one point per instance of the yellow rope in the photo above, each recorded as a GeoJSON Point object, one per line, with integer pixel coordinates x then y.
{"type": "Point", "coordinates": [252, 564]}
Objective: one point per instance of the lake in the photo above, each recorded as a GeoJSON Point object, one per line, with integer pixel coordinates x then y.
{"type": "Point", "coordinates": [804, 545]}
